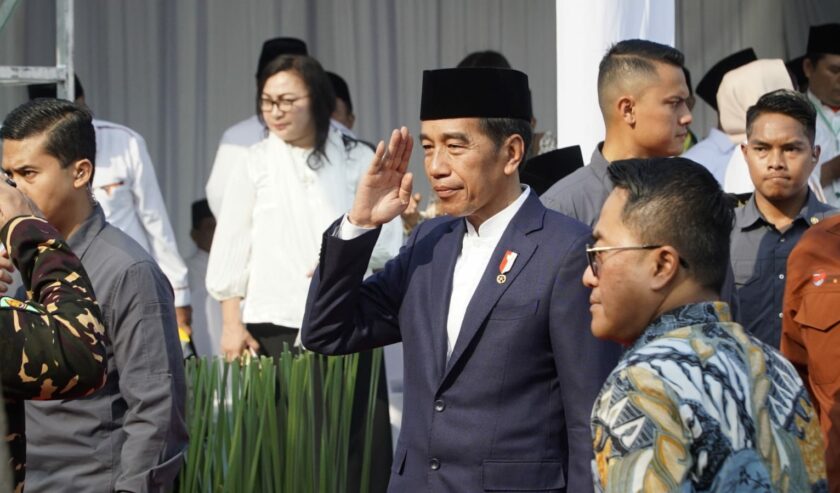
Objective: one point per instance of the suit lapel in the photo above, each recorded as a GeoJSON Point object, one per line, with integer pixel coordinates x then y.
{"type": "Point", "coordinates": [446, 254]}
{"type": "Point", "coordinates": [488, 292]}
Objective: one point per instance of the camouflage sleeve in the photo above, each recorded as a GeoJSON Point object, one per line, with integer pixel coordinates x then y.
{"type": "Point", "coordinates": [53, 346]}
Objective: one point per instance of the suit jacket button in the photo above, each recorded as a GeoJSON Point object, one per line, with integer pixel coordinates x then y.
{"type": "Point", "coordinates": [440, 405]}
{"type": "Point", "coordinates": [434, 464]}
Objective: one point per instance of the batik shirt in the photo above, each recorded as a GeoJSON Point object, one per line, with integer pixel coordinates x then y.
{"type": "Point", "coordinates": [51, 347]}
{"type": "Point", "coordinates": [698, 405]}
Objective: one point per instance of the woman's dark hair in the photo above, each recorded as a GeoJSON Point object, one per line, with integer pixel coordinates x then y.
{"type": "Point", "coordinates": [321, 96]}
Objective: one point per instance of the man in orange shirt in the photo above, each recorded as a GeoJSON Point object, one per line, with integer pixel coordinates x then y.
{"type": "Point", "coordinates": [811, 329]}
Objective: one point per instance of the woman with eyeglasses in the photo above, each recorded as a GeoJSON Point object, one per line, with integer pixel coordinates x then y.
{"type": "Point", "coordinates": [293, 184]}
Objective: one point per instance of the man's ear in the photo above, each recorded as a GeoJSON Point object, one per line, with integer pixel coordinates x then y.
{"type": "Point", "coordinates": [82, 173]}
{"type": "Point", "coordinates": [665, 268]}
{"type": "Point", "coordinates": [808, 68]}
{"type": "Point", "coordinates": [626, 107]}
{"type": "Point", "coordinates": [513, 150]}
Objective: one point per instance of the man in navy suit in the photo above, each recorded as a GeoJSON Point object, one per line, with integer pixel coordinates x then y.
{"type": "Point", "coordinates": [501, 370]}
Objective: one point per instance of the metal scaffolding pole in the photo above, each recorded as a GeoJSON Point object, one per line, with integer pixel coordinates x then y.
{"type": "Point", "coordinates": [62, 72]}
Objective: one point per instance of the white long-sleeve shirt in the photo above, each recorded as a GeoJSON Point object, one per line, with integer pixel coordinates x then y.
{"type": "Point", "coordinates": [233, 148]}
{"type": "Point", "coordinates": [232, 151]}
{"type": "Point", "coordinates": [275, 211]}
{"type": "Point", "coordinates": [125, 185]}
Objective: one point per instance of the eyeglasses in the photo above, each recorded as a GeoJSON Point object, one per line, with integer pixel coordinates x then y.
{"type": "Point", "coordinates": [593, 252]}
{"type": "Point", "coordinates": [286, 104]}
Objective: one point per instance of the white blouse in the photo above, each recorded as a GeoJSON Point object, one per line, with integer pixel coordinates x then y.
{"type": "Point", "coordinates": [269, 230]}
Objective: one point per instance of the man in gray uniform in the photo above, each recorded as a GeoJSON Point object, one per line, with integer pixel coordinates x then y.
{"type": "Point", "coordinates": [131, 434]}
{"type": "Point", "coordinates": [781, 155]}
{"type": "Point", "coordinates": [642, 94]}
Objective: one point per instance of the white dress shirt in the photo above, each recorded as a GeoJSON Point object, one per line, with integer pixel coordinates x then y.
{"type": "Point", "coordinates": [126, 187]}
{"type": "Point", "coordinates": [828, 138]}
{"type": "Point", "coordinates": [233, 147]}
{"type": "Point", "coordinates": [477, 247]}
{"type": "Point", "coordinates": [713, 153]}
{"type": "Point", "coordinates": [206, 311]}
{"type": "Point", "coordinates": [269, 230]}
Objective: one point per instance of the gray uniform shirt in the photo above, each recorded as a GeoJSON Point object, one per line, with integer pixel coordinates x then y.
{"type": "Point", "coordinates": [131, 434]}
{"type": "Point", "coordinates": [759, 252]}
{"type": "Point", "coordinates": [582, 194]}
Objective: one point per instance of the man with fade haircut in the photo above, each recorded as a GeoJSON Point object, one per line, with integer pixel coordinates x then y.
{"type": "Point", "coordinates": [695, 403]}
{"type": "Point", "coordinates": [131, 434]}
{"type": "Point", "coordinates": [53, 343]}
{"type": "Point", "coordinates": [500, 372]}
{"type": "Point", "coordinates": [780, 153]}
{"type": "Point", "coordinates": [643, 97]}
{"type": "Point", "coordinates": [128, 191]}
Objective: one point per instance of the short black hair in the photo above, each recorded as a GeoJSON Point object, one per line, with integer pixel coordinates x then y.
{"type": "Point", "coordinates": [633, 57]}
{"type": "Point", "coordinates": [341, 89]}
{"type": "Point", "coordinates": [484, 59]}
{"type": "Point", "coordinates": [69, 128]}
{"type": "Point", "coordinates": [499, 129]}
{"type": "Point", "coordinates": [677, 202]}
{"type": "Point", "coordinates": [200, 211]}
{"type": "Point", "coordinates": [786, 102]}
{"type": "Point", "coordinates": [50, 90]}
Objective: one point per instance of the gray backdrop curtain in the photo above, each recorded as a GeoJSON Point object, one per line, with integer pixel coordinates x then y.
{"type": "Point", "coordinates": [181, 71]}
{"type": "Point", "coordinates": [708, 30]}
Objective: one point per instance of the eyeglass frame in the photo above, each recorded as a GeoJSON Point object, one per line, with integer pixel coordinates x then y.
{"type": "Point", "coordinates": [283, 104]}
{"type": "Point", "coordinates": [593, 251]}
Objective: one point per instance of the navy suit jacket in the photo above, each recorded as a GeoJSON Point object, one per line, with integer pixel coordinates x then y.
{"type": "Point", "coordinates": [510, 409]}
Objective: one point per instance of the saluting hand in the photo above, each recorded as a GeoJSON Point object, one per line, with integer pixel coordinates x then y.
{"type": "Point", "coordinates": [384, 190]}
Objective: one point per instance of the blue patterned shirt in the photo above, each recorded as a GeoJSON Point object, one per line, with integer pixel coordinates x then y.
{"type": "Point", "coordinates": [698, 405]}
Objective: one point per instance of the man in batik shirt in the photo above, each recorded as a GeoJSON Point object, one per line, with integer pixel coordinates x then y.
{"type": "Point", "coordinates": [695, 403]}
{"type": "Point", "coordinates": [51, 347]}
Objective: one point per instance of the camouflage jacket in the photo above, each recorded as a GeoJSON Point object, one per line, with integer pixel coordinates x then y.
{"type": "Point", "coordinates": [51, 347]}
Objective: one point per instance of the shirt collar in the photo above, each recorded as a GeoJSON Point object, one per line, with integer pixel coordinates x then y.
{"type": "Point", "coordinates": [598, 164]}
{"type": "Point", "coordinates": [84, 235]}
{"type": "Point", "coordinates": [496, 225]}
{"type": "Point", "coordinates": [819, 104]}
{"type": "Point", "coordinates": [684, 316]}
{"type": "Point", "coordinates": [750, 215]}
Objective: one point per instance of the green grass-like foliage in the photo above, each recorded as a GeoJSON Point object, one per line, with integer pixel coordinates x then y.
{"type": "Point", "coordinates": [264, 425]}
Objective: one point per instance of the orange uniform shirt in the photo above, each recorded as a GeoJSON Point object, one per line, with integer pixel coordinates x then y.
{"type": "Point", "coordinates": [811, 329]}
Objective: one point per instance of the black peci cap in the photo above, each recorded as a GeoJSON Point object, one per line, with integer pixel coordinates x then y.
{"type": "Point", "coordinates": [708, 86]}
{"type": "Point", "coordinates": [275, 47]}
{"type": "Point", "coordinates": [475, 92]}
{"type": "Point", "coordinates": [342, 91]}
{"type": "Point", "coordinates": [824, 39]}
{"type": "Point", "coordinates": [543, 171]}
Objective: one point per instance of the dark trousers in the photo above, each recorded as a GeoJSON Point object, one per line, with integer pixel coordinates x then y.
{"type": "Point", "coordinates": [271, 338]}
